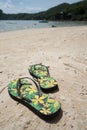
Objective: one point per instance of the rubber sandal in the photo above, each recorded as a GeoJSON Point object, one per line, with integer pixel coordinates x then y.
{"type": "Point", "coordinates": [41, 73]}
{"type": "Point", "coordinates": [28, 93]}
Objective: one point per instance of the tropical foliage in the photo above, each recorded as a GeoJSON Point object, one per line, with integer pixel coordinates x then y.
{"type": "Point", "coordinates": [65, 11]}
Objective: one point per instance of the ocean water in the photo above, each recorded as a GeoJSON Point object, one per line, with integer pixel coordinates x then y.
{"type": "Point", "coordinates": [11, 25]}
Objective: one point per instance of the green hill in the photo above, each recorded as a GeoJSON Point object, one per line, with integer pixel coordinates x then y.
{"type": "Point", "coordinates": [65, 11]}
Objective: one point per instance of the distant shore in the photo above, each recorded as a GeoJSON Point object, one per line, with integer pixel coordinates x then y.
{"type": "Point", "coordinates": [64, 11]}
{"type": "Point", "coordinates": [64, 50]}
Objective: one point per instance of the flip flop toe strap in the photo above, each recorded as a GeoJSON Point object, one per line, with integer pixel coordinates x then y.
{"type": "Point", "coordinates": [20, 83]}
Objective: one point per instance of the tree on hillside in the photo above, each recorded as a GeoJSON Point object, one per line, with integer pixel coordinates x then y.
{"type": "Point", "coordinates": [1, 12]}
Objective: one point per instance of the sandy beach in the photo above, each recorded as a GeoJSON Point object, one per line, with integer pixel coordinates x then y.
{"type": "Point", "coordinates": [64, 50]}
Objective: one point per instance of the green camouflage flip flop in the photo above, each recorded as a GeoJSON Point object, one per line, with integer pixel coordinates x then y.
{"type": "Point", "coordinates": [41, 73]}
{"type": "Point", "coordinates": [28, 93]}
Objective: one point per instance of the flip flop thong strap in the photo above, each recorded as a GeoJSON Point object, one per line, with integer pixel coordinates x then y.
{"type": "Point", "coordinates": [19, 84]}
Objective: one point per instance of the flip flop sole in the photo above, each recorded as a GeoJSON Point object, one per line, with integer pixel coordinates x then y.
{"type": "Point", "coordinates": [48, 83]}
{"type": "Point", "coordinates": [44, 106]}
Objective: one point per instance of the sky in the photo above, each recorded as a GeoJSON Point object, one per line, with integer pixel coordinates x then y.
{"type": "Point", "coordinates": [29, 6]}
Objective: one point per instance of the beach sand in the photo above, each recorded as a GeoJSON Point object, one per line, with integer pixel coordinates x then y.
{"type": "Point", "coordinates": [65, 51]}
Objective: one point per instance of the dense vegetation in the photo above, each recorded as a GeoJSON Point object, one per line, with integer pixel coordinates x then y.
{"type": "Point", "coordinates": [65, 11]}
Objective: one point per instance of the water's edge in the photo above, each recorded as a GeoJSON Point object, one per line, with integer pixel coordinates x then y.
{"type": "Point", "coordinates": [11, 25]}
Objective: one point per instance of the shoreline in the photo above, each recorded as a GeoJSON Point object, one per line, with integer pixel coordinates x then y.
{"type": "Point", "coordinates": [64, 49]}
{"type": "Point", "coordinates": [36, 25]}
{"type": "Point", "coordinates": [29, 29]}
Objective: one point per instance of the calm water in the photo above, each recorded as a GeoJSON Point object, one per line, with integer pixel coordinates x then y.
{"type": "Point", "coordinates": [10, 25]}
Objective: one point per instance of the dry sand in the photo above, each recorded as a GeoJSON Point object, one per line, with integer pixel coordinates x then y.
{"type": "Point", "coordinates": [65, 51]}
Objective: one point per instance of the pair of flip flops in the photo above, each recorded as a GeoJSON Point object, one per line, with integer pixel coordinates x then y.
{"type": "Point", "coordinates": [28, 91]}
